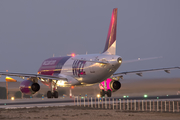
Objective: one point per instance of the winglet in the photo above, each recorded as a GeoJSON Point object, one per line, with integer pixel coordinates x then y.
{"type": "Point", "coordinates": [9, 79]}
{"type": "Point", "coordinates": [110, 46]}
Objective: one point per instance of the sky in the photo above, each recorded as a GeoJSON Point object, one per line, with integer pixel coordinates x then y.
{"type": "Point", "coordinates": [33, 30]}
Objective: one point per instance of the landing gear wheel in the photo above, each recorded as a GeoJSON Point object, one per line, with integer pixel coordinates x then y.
{"type": "Point", "coordinates": [49, 94]}
{"type": "Point", "coordinates": [108, 93]}
{"type": "Point", "coordinates": [102, 93]}
{"type": "Point", "coordinates": [55, 94]}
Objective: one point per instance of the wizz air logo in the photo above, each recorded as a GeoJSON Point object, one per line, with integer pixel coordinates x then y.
{"type": "Point", "coordinates": [78, 68]}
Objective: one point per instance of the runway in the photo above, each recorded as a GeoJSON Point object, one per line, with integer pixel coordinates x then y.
{"type": "Point", "coordinates": [165, 107]}
{"type": "Point", "coordinates": [39, 102]}
{"type": "Point", "coordinates": [35, 102]}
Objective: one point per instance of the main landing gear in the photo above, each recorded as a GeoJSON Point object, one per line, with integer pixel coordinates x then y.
{"type": "Point", "coordinates": [108, 93]}
{"type": "Point", "coordinates": [53, 93]}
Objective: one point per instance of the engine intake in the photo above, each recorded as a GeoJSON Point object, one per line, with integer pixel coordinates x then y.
{"type": "Point", "coordinates": [28, 87]}
{"type": "Point", "coordinates": [115, 85]}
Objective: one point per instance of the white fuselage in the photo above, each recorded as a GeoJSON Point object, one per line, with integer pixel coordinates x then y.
{"type": "Point", "coordinates": [92, 72]}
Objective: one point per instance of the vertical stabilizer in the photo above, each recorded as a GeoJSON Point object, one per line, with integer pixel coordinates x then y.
{"type": "Point", "coordinates": [110, 46]}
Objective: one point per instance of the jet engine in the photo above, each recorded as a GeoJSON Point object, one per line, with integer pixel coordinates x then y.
{"type": "Point", "coordinates": [115, 85]}
{"type": "Point", "coordinates": [112, 85]}
{"type": "Point", "coordinates": [28, 87]}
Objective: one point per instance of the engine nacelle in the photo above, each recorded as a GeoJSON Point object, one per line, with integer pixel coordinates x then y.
{"type": "Point", "coordinates": [112, 85]}
{"type": "Point", "coordinates": [115, 85]}
{"type": "Point", "coordinates": [28, 87]}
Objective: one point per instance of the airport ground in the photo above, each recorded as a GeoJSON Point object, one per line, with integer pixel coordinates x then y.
{"type": "Point", "coordinates": [81, 113]}
{"type": "Point", "coordinates": [129, 87]}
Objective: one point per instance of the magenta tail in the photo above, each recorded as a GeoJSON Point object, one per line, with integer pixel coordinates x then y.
{"type": "Point", "coordinates": [110, 46]}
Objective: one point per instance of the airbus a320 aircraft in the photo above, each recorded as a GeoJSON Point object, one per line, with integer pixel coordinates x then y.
{"type": "Point", "coordinates": [81, 70]}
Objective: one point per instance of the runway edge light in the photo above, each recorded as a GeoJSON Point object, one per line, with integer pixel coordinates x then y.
{"type": "Point", "coordinates": [145, 96]}
{"type": "Point", "coordinates": [98, 95]}
{"type": "Point", "coordinates": [12, 98]}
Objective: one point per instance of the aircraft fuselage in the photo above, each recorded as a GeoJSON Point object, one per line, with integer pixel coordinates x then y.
{"type": "Point", "coordinates": [81, 69]}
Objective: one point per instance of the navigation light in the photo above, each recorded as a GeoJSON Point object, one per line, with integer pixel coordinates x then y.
{"type": "Point", "coordinates": [72, 54]}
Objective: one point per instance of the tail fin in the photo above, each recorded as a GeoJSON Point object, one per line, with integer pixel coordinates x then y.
{"type": "Point", "coordinates": [110, 46]}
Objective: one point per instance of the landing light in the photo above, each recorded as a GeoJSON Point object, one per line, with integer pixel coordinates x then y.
{"type": "Point", "coordinates": [119, 60]}
{"type": "Point", "coordinates": [60, 82]}
{"type": "Point", "coordinates": [98, 95]}
{"type": "Point", "coordinates": [12, 98]}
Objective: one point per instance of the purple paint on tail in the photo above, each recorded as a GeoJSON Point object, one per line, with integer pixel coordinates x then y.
{"type": "Point", "coordinates": [111, 37]}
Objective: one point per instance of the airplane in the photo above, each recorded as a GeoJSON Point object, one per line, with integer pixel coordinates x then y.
{"type": "Point", "coordinates": [81, 70]}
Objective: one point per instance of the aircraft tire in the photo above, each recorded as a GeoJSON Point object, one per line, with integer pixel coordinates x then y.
{"type": "Point", "coordinates": [102, 93]}
{"type": "Point", "coordinates": [108, 93]}
{"type": "Point", "coordinates": [49, 94]}
{"type": "Point", "coordinates": [55, 94]}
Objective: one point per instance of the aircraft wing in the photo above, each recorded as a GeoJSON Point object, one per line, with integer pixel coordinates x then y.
{"type": "Point", "coordinates": [37, 76]}
{"type": "Point", "coordinates": [139, 72]}
{"type": "Point", "coordinates": [140, 59]}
